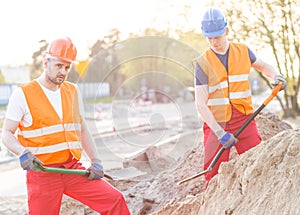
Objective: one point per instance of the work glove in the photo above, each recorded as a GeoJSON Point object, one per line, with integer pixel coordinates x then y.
{"type": "Point", "coordinates": [27, 160]}
{"type": "Point", "coordinates": [95, 170]}
{"type": "Point", "coordinates": [279, 78]}
{"type": "Point", "coordinates": [228, 140]}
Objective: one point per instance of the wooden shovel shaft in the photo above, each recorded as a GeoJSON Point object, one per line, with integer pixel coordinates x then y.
{"type": "Point", "coordinates": [236, 134]}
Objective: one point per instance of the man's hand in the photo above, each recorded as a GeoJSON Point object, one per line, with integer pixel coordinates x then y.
{"type": "Point", "coordinates": [279, 78]}
{"type": "Point", "coordinates": [95, 170]}
{"type": "Point", "coordinates": [228, 140]}
{"type": "Point", "coordinates": [27, 160]}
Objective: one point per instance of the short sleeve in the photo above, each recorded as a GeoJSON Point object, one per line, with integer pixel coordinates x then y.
{"type": "Point", "coordinates": [251, 55]}
{"type": "Point", "coordinates": [17, 106]}
{"type": "Point", "coordinates": [200, 76]}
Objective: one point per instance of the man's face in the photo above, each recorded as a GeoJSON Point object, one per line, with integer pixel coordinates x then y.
{"type": "Point", "coordinates": [56, 70]}
{"type": "Point", "coordinates": [219, 43]}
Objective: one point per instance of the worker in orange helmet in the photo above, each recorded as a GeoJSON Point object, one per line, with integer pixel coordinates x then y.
{"type": "Point", "coordinates": [48, 117]}
{"type": "Point", "coordinates": [222, 91]}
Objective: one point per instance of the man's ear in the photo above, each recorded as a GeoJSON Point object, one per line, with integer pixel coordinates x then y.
{"type": "Point", "coordinates": [227, 31]}
{"type": "Point", "coordinates": [45, 62]}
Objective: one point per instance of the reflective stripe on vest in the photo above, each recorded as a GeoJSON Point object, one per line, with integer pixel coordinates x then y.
{"type": "Point", "coordinates": [50, 138]}
{"type": "Point", "coordinates": [215, 102]}
{"type": "Point", "coordinates": [228, 88]}
{"type": "Point", "coordinates": [54, 148]}
{"type": "Point", "coordinates": [240, 95]}
{"type": "Point", "coordinates": [222, 85]}
{"type": "Point", "coordinates": [49, 130]}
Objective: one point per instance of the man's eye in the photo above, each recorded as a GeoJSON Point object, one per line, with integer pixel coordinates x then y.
{"type": "Point", "coordinates": [59, 66]}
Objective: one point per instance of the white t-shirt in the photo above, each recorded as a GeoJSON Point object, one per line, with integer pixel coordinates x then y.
{"type": "Point", "coordinates": [18, 110]}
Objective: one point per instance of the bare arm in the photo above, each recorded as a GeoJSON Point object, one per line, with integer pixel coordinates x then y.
{"type": "Point", "coordinates": [89, 146]}
{"type": "Point", "coordinates": [265, 68]}
{"type": "Point", "coordinates": [9, 139]}
{"type": "Point", "coordinates": [88, 142]}
{"type": "Point", "coordinates": [201, 97]}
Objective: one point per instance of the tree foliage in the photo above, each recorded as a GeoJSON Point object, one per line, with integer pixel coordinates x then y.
{"type": "Point", "coordinates": [160, 56]}
{"type": "Point", "coordinates": [152, 52]}
{"type": "Point", "coordinates": [271, 24]}
{"type": "Point", "coordinates": [36, 68]}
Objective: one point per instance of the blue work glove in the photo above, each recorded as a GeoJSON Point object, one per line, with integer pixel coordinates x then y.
{"type": "Point", "coordinates": [95, 170]}
{"type": "Point", "coordinates": [27, 160]}
{"type": "Point", "coordinates": [279, 78]}
{"type": "Point", "coordinates": [228, 140]}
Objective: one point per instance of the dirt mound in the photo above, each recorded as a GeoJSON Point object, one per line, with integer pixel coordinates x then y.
{"type": "Point", "coordinates": [149, 194]}
{"type": "Point", "coordinates": [269, 125]}
{"type": "Point", "coordinates": [162, 195]}
{"type": "Point", "coordinates": [266, 182]}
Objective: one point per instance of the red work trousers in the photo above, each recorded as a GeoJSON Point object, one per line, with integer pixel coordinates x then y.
{"type": "Point", "coordinates": [45, 191]}
{"type": "Point", "coordinates": [247, 139]}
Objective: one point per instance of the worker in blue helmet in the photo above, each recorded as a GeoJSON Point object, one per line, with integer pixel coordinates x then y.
{"type": "Point", "coordinates": [222, 90]}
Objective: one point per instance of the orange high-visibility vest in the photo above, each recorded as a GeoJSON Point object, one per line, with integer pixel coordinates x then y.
{"type": "Point", "coordinates": [50, 138]}
{"type": "Point", "coordinates": [228, 88]}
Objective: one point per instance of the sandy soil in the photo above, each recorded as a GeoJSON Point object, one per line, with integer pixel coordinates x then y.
{"type": "Point", "coordinates": [264, 180]}
{"type": "Point", "coordinates": [162, 195]}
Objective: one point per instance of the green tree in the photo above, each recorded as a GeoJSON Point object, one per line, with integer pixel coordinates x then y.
{"type": "Point", "coordinates": [152, 52]}
{"type": "Point", "coordinates": [36, 68]}
{"type": "Point", "coordinates": [273, 24]}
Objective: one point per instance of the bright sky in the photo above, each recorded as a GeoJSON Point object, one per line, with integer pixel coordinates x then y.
{"type": "Point", "coordinates": [24, 22]}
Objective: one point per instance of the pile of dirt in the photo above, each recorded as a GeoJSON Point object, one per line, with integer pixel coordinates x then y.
{"type": "Point", "coordinates": [150, 194]}
{"type": "Point", "coordinates": [269, 125]}
{"type": "Point", "coordinates": [265, 182]}
{"type": "Point", "coordinates": [162, 195]}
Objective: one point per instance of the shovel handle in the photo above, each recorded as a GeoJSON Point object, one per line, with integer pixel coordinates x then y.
{"type": "Point", "coordinates": [262, 106]}
{"type": "Point", "coordinates": [62, 170]}
{"type": "Point", "coordinates": [68, 171]}
{"type": "Point", "coordinates": [236, 134]}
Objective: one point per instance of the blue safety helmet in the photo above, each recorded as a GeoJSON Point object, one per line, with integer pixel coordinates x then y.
{"type": "Point", "coordinates": [213, 23]}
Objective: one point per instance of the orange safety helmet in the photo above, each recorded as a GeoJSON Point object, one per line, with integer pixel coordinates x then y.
{"type": "Point", "coordinates": [62, 48]}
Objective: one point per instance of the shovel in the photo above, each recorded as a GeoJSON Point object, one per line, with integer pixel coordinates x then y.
{"type": "Point", "coordinates": [236, 134]}
{"type": "Point", "coordinates": [67, 171]}
{"type": "Point", "coordinates": [117, 175]}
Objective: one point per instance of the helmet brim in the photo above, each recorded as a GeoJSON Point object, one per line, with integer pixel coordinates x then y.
{"type": "Point", "coordinates": [214, 33]}
{"type": "Point", "coordinates": [61, 58]}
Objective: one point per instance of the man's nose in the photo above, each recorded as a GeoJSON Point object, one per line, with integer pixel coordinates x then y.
{"type": "Point", "coordinates": [64, 69]}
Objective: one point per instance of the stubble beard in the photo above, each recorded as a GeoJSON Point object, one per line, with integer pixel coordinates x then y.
{"type": "Point", "coordinates": [58, 80]}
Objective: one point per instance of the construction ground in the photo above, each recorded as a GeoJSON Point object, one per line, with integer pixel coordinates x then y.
{"type": "Point", "coordinates": [264, 180]}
